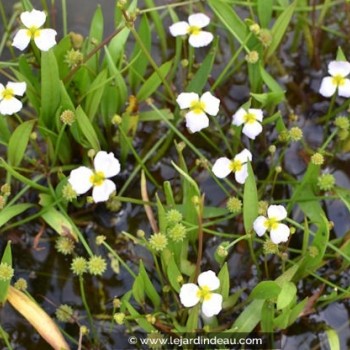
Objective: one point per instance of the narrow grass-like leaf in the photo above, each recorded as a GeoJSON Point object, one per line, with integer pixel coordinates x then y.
{"type": "Point", "coordinates": [279, 28]}
{"type": "Point", "coordinates": [229, 19]}
{"type": "Point", "coordinates": [173, 273]}
{"type": "Point", "coordinates": [249, 318]}
{"type": "Point", "coordinates": [149, 288]}
{"type": "Point", "coordinates": [50, 82]}
{"type": "Point", "coordinates": [200, 78]}
{"type": "Point", "coordinates": [153, 82]}
{"type": "Point", "coordinates": [87, 129]}
{"type": "Point", "coordinates": [224, 278]}
{"type": "Point", "coordinates": [8, 213]}
{"type": "Point", "coordinates": [265, 8]}
{"type": "Point", "coordinates": [4, 285]}
{"type": "Point", "coordinates": [333, 339]}
{"type": "Point", "coordinates": [250, 200]}
{"type": "Point", "coordinates": [267, 317]}
{"type": "Point", "coordinates": [18, 142]}
{"type": "Point", "coordinates": [138, 290]}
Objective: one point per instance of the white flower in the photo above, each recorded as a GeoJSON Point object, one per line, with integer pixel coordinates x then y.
{"type": "Point", "coordinates": [83, 178]}
{"type": "Point", "coordinates": [9, 104]}
{"type": "Point", "coordinates": [196, 118]}
{"type": "Point", "coordinates": [198, 37]}
{"type": "Point", "coordinates": [250, 119]}
{"type": "Point", "coordinates": [338, 71]}
{"type": "Point", "coordinates": [191, 294]}
{"type": "Point", "coordinates": [278, 232]}
{"type": "Point", "coordinates": [224, 166]}
{"type": "Point", "coordinates": [43, 38]}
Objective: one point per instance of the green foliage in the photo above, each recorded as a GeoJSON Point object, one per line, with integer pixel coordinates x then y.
{"type": "Point", "coordinates": [4, 285]}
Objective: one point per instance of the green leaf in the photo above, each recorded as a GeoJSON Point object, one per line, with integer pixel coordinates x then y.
{"type": "Point", "coordinates": [287, 295]}
{"type": "Point", "coordinates": [58, 223]}
{"type": "Point", "coordinates": [5, 133]}
{"type": "Point", "coordinates": [249, 318]}
{"type": "Point", "coordinates": [279, 28]}
{"type": "Point", "coordinates": [8, 213]}
{"type": "Point", "coordinates": [224, 278]}
{"type": "Point", "coordinates": [200, 78]}
{"type": "Point", "coordinates": [340, 55]}
{"type": "Point", "coordinates": [229, 19]}
{"type": "Point", "coordinates": [265, 8]}
{"type": "Point", "coordinates": [153, 82]}
{"type": "Point", "coordinates": [333, 339]}
{"type": "Point", "coordinates": [149, 288]}
{"type": "Point", "coordinates": [265, 290]}
{"type": "Point", "coordinates": [95, 93]}
{"type": "Point", "coordinates": [139, 319]}
{"type": "Point", "coordinates": [18, 142]}
{"type": "Point", "coordinates": [150, 116]}
{"type": "Point", "coordinates": [4, 285]}
{"type": "Point", "coordinates": [87, 129]}
{"type": "Point", "coordinates": [271, 83]}
{"type": "Point", "coordinates": [173, 273]}
{"type": "Point", "coordinates": [250, 200]}
{"type": "Point", "coordinates": [267, 317]}
{"type": "Point", "coordinates": [138, 290]}
{"type": "Point", "coordinates": [138, 58]}
{"type": "Point", "coordinates": [295, 312]}
{"type": "Point", "coordinates": [50, 81]}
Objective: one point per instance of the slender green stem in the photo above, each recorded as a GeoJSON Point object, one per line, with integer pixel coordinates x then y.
{"type": "Point", "coordinates": [121, 261]}
{"type": "Point", "coordinates": [241, 238]}
{"type": "Point", "coordinates": [64, 17]}
{"type": "Point", "coordinates": [329, 139]}
{"type": "Point", "coordinates": [86, 305]}
{"type": "Point", "coordinates": [58, 143]}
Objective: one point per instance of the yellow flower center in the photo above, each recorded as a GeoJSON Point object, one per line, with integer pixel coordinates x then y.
{"type": "Point", "coordinates": [194, 30]}
{"type": "Point", "coordinates": [338, 80]}
{"type": "Point", "coordinates": [271, 224]}
{"type": "Point", "coordinates": [33, 32]}
{"type": "Point", "coordinates": [7, 94]}
{"type": "Point", "coordinates": [204, 293]}
{"type": "Point", "coordinates": [249, 118]}
{"type": "Point", "coordinates": [197, 107]}
{"type": "Point", "coordinates": [97, 178]}
{"type": "Point", "coordinates": [235, 165]}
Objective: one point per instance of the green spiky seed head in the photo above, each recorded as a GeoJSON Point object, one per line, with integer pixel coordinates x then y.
{"type": "Point", "coordinates": [79, 265]}
{"type": "Point", "coordinates": [65, 245]}
{"type": "Point", "coordinates": [234, 205]}
{"type": "Point", "coordinates": [97, 265]}
{"type": "Point", "coordinates": [295, 134]}
{"type": "Point", "coordinates": [6, 272]}
{"type": "Point", "coordinates": [177, 233]}
{"type": "Point", "coordinates": [342, 123]}
{"type": "Point", "coordinates": [317, 159]}
{"type": "Point", "coordinates": [326, 182]}
{"type": "Point", "coordinates": [173, 216]}
{"type": "Point", "coordinates": [158, 242]}
{"type": "Point", "coordinates": [64, 313]}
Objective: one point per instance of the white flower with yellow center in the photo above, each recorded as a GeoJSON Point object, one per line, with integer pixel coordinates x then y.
{"type": "Point", "coordinates": [191, 294]}
{"type": "Point", "coordinates": [337, 81]}
{"type": "Point", "coordinates": [278, 232]}
{"type": "Point", "coordinates": [196, 118]}
{"type": "Point", "coordinates": [83, 178]}
{"type": "Point", "coordinates": [9, 104]}
{"type": "Point", "coordinates": [224, 166]}
{"type": "Point", "coordinates": [197, 36]}
{"type": "Point", "coordinates": [33, 21]}
{"type": "Point", "coordinates": [251, 119]}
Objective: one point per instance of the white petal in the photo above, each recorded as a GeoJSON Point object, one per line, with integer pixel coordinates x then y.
{"type": "Point", "coordinates": [9, 107]}
{"type": "Point", "coordinates": [344, 90]}
{"type": "Point", "coordinates": [80, 179]}
{"type": "Point", "coordinates": [185, 99]}
{"type": "Point", "coordinates": [201, 39]}
{"type": "Point", "coordinates": [2, 88]}
{"type": "Point", "coordinates": [209, 279]}
{"type": "Point", "coordinates": [18, 88]}
{"type": "Point", "coordinates": [221, 167]}
{"type": "Point", "coordinates": [238, 117]}
{"type": "Point", "coordinates": [188, 294]}
{"type": "Point", "coordinates": [106, 163]}
{"type": "Point", "coordinates": [212, 306]}
{"type": "Point", "coordinates": [102, 192]}
{"type": "Point", "coordinates": [280, 234]}
{"type": "Point", "coordinates": [211, 103]}
{"type": "Point", "coordinates": [21, 39]}
{"type": "Point", "coordinates": [341, 68]}
{"type": "Point", "coordinates": [196, 122]}
{"type": "Point", "coordinates": [199, 20]}
{"type": "Point", "coordinates": [327, 87]}
{"type": "Point", "coordinates": [33, 18]}
{"type": "Point", "coordinates": [241, 175]}
{"type": "Point", "coordinates": [46, 39]}
{"type": "Point", "coordinates": [179, 28]}
{"type": "Point", "coordinates": [259, 225]}
{"type": "Point", "coordinates": [257, 112]}
{"type": "Point", "coordinates": [243, 156]}
{"type": "Point", "coordinates": [252, 130]}
{"type": "Point", "coordinates": [277, 212]}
